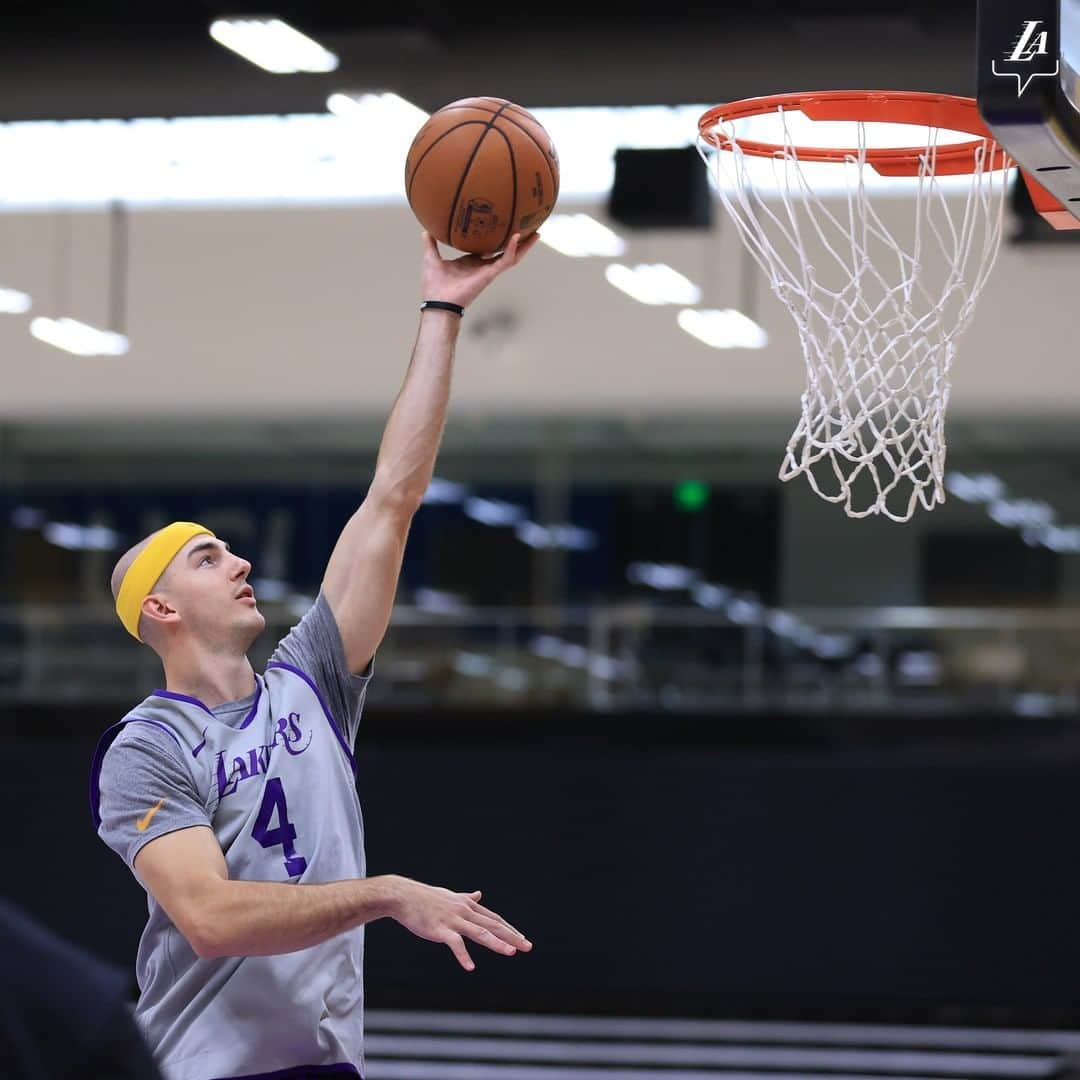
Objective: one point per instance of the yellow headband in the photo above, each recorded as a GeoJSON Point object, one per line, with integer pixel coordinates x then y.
{"type": "Point", "coordinates": [143, 573]}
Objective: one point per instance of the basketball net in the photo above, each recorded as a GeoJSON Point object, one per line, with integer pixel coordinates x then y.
{"type": "Point", "coordinates": [878, 316]}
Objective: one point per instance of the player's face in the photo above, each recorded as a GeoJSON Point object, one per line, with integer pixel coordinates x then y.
{"type": "Point", "coordinates": [209, 587]}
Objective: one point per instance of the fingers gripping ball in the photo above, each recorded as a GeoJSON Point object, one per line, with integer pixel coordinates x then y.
{"type": "Point", "coordinates": [479, 170]}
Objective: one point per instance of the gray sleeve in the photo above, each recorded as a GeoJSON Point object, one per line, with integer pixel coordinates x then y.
{"type": "Point", "coordinates": [314, 646]}
{"type": "Point", "coordinates": [146, 790]}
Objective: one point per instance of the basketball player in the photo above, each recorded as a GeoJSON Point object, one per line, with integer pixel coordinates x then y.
{"type": "Point", "coordinates": [232, 795]}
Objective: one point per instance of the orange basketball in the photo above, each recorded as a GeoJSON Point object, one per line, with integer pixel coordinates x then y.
{"type": "Point", "coordinates": [479, 170]}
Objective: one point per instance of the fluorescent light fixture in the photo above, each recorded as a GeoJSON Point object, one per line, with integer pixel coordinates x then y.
{"type": "Point", "coordinates": [511, 679]}
{"type": "Point", "coordinates": [546, 645]}
{"type": "Point", "coordinates": [663, 576]}
{"type": "Point", "coordinates": [475, 665]}
{"type": "Point", "coordinates": [1061, 538]}
{"type": "Point", "coordinates": [78, 337]}
{"type": "Point", "coordinates": [711, 596]}
{"type": "Point", "coordinates": [579, 235]}
{"type": "Point", "coordinates": [444, 492]}
{"type": "Point", "coordinates": [1021, 513]}
{"type": "Point", "coordinates": [743, 611]}
{"type": "Point", "coordinates": [782, 623]}
{"type": "Point", "coordinates": [564, 537]}
{"type": "Point", "coordinates": [919, 667]}
{"type": "Point", "coordinates": [388, 108]}
{"type": "Point", "coordinates": [273, 45]}
{"type": "Point", "coordinates": [493, 511]}
{"type": "Point", "coordinates": [319, 159]}
{"type": "Point", "coordinates": [1033, 703]}
{"type": "Point", "coordinates": [831, 646]}
{"type": "Point", "coordinates": [439, 601]}
{"type": "Point", "coordinates": [653, 283]}
{"type": "Point", "coordinates": [73, 537]}
{"type": "Point", "coordinates": [299, 604]}
{"type": "Point", "coordinates": [983, 487]}
{"type": "Point", "coordinates": [272, 590]}
{"type": "Point", "coordinates": [13, 302]}
{"type": "Point", "coordinates": [723, 329]}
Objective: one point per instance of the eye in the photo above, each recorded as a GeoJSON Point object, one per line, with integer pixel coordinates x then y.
{"type": "Point", "coordinates": [206, 559]}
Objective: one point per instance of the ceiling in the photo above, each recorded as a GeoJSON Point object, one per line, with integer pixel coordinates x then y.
{"type": "Point", "coordinates": [73, 60]}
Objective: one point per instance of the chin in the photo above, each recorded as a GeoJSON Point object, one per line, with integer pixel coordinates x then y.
{"type": "Point", "coordinates": [252, 626]}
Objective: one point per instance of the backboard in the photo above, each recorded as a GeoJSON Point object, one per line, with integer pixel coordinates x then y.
{"type": "Point", "coordinates": [1028, 92]}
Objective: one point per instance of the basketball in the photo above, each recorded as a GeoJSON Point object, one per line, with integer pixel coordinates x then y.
{"type": "Point", "coordinates": [479, 170]}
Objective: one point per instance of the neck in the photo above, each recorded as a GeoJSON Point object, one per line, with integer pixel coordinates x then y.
{"type": "Point", "coordinates": [213, 679]}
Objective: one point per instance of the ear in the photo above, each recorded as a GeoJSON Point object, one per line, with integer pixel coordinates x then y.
{"type": "Point", "coordinates": [157, 610]}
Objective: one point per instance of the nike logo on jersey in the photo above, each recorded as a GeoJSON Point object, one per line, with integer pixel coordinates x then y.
{"type": "Point", "coordinates": [143, 823]}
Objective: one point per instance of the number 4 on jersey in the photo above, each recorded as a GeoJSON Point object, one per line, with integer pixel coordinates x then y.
{"type": "Point", "coordinates": [284, 833]}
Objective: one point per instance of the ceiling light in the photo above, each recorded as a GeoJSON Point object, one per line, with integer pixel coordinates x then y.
{"type": "Point", "coordinates": [388, 108]}
{"type": "Point", "coordinates": [724, 329]}
{"type": "Point", "coordinates": [439, 601]}
{"type": "Point", "coordinates": [664, 576]}
{"type": "Point", "coordinates": [653, 284]}
{"type": "Point", "coordinates": [13, 302]}
{"type": "Point", "coordinates": [1021, 513]}
{"type": "Point", "coordinates": [74, 537]}
{"type": "Point", "coordinates": [273, 45]}
{"type": "Point", "coordinates": [982, 487]}
{"type": "Point", "coordinates": [313, 158]}
{"type": "Point", "coordinates": [443, 492]}
{"type": "Point", "coordinates": [579, 235]}
{"type": "Point", "coordinates": [78, 337]}
{"type": "Point", "coordinates": [492, 511]}
{"type": "Point", "coordinates": [711, 596]}
{"type": "Point", "coordinates": [562, 537]}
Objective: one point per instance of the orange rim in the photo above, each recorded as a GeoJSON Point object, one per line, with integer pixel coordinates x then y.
{"type": "Point", "coordinates": [943, 111]}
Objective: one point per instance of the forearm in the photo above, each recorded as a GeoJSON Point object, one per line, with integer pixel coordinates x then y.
{"type": "Point", "coordinates": [263, 918]}
{"type": "Point", "coordinates": [414, 430]}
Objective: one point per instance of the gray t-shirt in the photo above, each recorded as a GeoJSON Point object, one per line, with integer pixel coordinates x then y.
{"type": "Point", "coordinates": [145, 759]}
{"type": "Point", "coordinates": [273, 776]}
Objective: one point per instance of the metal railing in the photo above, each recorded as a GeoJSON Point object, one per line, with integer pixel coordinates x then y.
{"type": "Point", "coordinates": [620, 657]}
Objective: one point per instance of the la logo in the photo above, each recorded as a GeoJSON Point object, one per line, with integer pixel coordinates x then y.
{"type": "Point", "coordinates": [1031, 44]}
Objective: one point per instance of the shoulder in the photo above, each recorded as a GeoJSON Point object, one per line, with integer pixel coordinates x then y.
{"type": "Point", "coordinates": [132, 750]}
{"type": "Point", "coordinates": [137, 736]}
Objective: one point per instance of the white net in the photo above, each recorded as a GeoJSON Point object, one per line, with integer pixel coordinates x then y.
{"type": "Point", "coordinates": [878, 316]}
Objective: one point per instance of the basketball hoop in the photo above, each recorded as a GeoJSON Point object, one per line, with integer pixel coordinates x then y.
{"type": "Point", "coordinates": [878, 316]}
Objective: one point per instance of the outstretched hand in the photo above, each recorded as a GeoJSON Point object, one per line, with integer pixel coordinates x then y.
{"type": "Point", "coordinates": [461, 280]}
{"type": "Point", "coordinates": [437, 914]}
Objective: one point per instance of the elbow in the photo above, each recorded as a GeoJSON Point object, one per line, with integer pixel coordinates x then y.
{"type": "Point", "coordinates": [206, 942]}
{"type": "Point", "coordinates": [206, 932]}
{"type": "Point", "coordinates": [400, 500]}
{"type": "Point", "coordinates": [203, 950]}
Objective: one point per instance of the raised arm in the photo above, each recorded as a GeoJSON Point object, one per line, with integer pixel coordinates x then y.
{"type": "Point", "coordinates": [362, 575]}
{"type": "Point", "coordinates": [186, 873]}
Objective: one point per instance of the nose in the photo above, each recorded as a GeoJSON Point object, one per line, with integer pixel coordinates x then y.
{"type": "Point", "coordinates": [243, 568]}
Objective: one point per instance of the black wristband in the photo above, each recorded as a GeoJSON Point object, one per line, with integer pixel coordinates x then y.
{"type": "Point", "coordinates": [443, 305]}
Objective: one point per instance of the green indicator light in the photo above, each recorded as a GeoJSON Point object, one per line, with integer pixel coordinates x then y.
{"type": "Point", "coordinates": [691, 495]}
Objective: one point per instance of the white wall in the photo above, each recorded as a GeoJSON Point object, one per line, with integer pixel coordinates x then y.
{"type": "Point", "coordinates": [312, 312]}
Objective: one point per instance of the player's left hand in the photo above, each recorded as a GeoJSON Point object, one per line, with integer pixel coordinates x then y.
{"type": "Point", "coordinates": [461, 280]}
